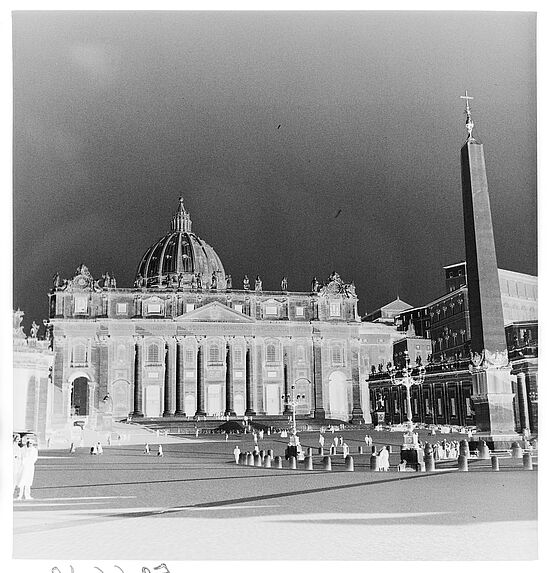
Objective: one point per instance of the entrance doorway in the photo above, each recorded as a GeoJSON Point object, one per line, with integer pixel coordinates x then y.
{"type": "Point", "coordinates": [152, 401]}
{"type": "Point", "coordinates": [338, 395]}
{"type": "Point", "coordinates": [214, 402]}
{"type": "Point", "coordinates": [272, 399]}
{"type": "Point", "coordinates": [79, 397]}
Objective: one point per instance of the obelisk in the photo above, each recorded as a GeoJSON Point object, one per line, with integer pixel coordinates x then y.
{"type": "Point", "coordinates": [492, 388]}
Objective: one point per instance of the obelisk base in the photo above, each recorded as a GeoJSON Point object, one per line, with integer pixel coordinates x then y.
{"type": "Point", "coordinates": [493, 401]}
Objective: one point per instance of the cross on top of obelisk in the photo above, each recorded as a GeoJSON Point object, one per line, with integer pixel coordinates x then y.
{"type": "Point", "coordinates": [468, 112]}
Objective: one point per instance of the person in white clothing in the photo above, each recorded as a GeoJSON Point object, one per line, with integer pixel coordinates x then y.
{"type": "Point", "coordinates": [99, 448]}
{"type": "Point", "coordinates": [384, 457]}
{"type": "Point", "coordinates": [345, 449]}
{"type": "Point", "coordinates": [236, 453]}
{"type": "Point", "coordinates": [321, 440]}
{"type": "Point", "coordinates": [17, 462]}
{"type": "Point", "coordinates": [160, 453]}
{"type": "Point", "coordinates": [29, 455]}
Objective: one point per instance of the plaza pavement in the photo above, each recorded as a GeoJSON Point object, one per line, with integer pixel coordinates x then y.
{"type": "Point", "coordinates": [195, 503]}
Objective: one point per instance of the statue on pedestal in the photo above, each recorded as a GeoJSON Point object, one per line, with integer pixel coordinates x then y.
{"type": "Point", "coordinates": [284, 284]}
{"type": "Point", "coordinates": [228, 282]}
{"type": "Point", "coordinates": [314, 285]}
{"type": "Point", "coordinates": [258, 284]}
{"type": "Point", "coordinates": [246, 283]}
{"type": "Point", "coordinates": [214, 282]}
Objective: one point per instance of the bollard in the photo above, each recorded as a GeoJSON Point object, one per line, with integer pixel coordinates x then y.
{"type": "Point", "coordinates": [374, 463]}
{"type": "Point", "coordinates": [327, 464]}
{"type": "Point", "coordinates": [462, 463]}
{"type": "Point", "coordinates": [430, 462]}
{"type": "Point", "coordinates": [517, 452]}
{"type": "Point", "coordinates": [292, 463]}
{"type": "Point", "coordinates": [262, 454]}
{"type": "Point", "coordinates": [249, 459]}
{"type": "Point", "coordinates": [267, 461]}
{"type": "Point", "coordinates": [360, 449]}
{"type": "Point", "coordinates": [527, 461]}
{"type": "Point", "coordinates": [494, 464]}
{"type": "Point", "coordinates": [421, 467]}
{"type": "Point", "coordinates": [483, 451]}
{"type": "Point", "coordinates": [270, 453]}
{"type": "Point", "coordinates": [464, 449]}
{"type": "Point", "coordinates": [308, 462]}
{"type": "Point", "coordinates": [373, 449]}
{"type": "Point", "coordinates": [242, 458]}
{"type": "Point", "coordinates": [348, 464]}
{"type": "Point", "coordinates": [310, 451]}
{"type": "Point", "coordinates": [320, 450]}
{"type": "Point", "coordinates": [278, 462]}
{"type": "Point", "coordinates": [258, 461]}
{"type": "Point", "coordinates": [332, 450]}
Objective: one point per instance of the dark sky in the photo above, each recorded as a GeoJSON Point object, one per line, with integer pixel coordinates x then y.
{"type": "Point", "coordinates": [117, 114]}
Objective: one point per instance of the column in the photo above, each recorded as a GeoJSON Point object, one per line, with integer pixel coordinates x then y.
{"type": "Point", "coordinates": [522, 402]}
{"type": "Point", "coordinates": [180, 396]}
{"type": "Point", "coordinates": [200, 380]}
{"type": "Point", "coordinates": [138, 383]}
{"type": "Point", "coordinates": [249, 382]}
{"type": "Point", "coordinates": [356, 412]}
{"type": "Point", "coordinates": [168, 377]}
{"type": "Point", "coordinates": [319, 411]}
{"type": "Point", "coordinates": [229, 409]}
{"type": "Point", "coordinates": [259, 379]}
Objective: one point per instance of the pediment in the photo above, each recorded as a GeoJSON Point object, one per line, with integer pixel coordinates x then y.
{"type": "Point", "coordinates": [214, 312]}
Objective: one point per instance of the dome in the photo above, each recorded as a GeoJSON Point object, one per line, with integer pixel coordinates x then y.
{"type": "Point", "coordinates": [180, 258]}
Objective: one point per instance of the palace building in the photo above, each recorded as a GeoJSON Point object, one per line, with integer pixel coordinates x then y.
{"type": "Point", "coordinates": [185, 342]}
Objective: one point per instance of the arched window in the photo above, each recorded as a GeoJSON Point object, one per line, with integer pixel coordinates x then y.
{"type": "Point", "coordinates": [214, 353]}
{"type": "Point", "coordinates": [237, 355]}
{"type": "Point", "coordinates": [79, 354]}
{"type": "Point", "coordinates": [336, 354]}
{"type": "Point", "coordinates": [271, 353]}
{"type": "Point", "coordinates": [153, 354]}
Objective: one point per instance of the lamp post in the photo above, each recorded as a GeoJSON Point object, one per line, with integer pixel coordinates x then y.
{"type": "Point", "coordinates": [408, 380]}
{"type": "Point", "coordinates": [293, 400]}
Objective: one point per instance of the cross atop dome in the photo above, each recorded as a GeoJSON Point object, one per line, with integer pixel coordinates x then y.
{"type": "Point", "coordinates": [181, 220]}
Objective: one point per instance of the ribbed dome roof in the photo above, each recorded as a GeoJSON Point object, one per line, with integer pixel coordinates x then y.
{"type": "Point", "coordinates": [180, 258]}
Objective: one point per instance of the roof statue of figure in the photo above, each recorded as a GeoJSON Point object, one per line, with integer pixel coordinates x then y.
{"type": "Point", "coordinates": [468, 112]}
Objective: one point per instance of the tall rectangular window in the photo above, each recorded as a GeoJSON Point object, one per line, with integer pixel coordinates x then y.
{"type": "Point", "coordinates": [121, 308]}
{"type": "Point", "coordinates": [81, 304]}
{"type": "Point", "coordinates": [299, 311]}
{"type": "Point", "coordinates": [334, 309]}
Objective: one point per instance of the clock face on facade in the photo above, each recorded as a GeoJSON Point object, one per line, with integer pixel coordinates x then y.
{"type": "Point", "coordinates": [81, 281]}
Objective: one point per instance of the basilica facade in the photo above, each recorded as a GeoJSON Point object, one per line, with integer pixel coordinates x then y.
{"type": "Point", "coordinates": [185, 341]}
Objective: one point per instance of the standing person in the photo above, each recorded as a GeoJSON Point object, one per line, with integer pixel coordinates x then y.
{"type": "Point", "coordinates": [72, 449]}
{"type": "Point", "coordinates": [255, 436]}
{"type": "Point", "coordinates": [196, 432]}
{"type": "Point", "coordinates": [345, 450]}
{"type": "Point", "coordinates": [160, 453]}
{"type": "Point", "coordinates": [384, 456]}
{"type": "Point", "coordinates": [29, 455]}
{"type": "Point", "coordinates": [109, 440]}
{"type": "Point", "coordinates": [146, 450]}
{"type": "Point", "coordinates": [335, 442]}
{"type": "Point", "coordinates": [226, 436]}
{"type": "Point", "coordinates": [341, 441]}
{"type": "Point", "coordinates": [236, 453]}
{"type": "Point", "coordinates": [321, 440]}
{"type": "Point", "coordinates": [99, 448]}
{"type": "Point", "coordinates": [17, 462]}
